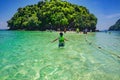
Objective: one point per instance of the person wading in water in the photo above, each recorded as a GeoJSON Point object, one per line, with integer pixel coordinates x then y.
{"type": "Point", "coordinates": [61, 40]}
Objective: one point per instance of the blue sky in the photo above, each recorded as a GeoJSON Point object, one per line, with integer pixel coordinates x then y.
{"type": "Point", "coordinates": [107, 11]}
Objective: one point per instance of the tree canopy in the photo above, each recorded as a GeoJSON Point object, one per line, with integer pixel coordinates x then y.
{"type": "Point", "coordinates": [116, 26]}
{"type": "Point", "coordinates": [52, 14]}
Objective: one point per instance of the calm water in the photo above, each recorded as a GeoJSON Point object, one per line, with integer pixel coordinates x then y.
{"type": "Point", "coordinates": [29, 55]}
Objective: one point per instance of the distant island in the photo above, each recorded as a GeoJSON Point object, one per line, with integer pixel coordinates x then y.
{"type": "Point", "coordinates": [52, 14]}
{"type": "Point", "coordinates": [116, 26]}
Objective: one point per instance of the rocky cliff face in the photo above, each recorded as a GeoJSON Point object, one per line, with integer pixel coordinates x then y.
{"type": "Point", "coordinates": [116, 26]}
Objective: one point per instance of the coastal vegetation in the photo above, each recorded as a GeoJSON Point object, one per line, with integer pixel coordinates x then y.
{"type": "Point", "coordinates": [52, 14]}
{"type": "Point", "coordinates": [116, 26]}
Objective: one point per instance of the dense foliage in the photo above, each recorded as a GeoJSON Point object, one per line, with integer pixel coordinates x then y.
{"type": "Point", "coordinates": [116, 26]}
{"type": "Point", "coordinates": [52, 14]}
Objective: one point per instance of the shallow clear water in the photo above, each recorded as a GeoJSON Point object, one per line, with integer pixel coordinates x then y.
{"type": "Point", "coordinates": [30, 55]}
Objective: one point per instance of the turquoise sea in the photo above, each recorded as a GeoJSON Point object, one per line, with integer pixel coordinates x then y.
{"type": "Point", "coordinates": [30, 55]}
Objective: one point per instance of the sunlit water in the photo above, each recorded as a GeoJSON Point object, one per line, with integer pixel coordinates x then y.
{"type": "Point", "coordinates": [30, 55]}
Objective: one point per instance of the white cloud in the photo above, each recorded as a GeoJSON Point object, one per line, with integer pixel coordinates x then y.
{"type": "Point", "coordinates": [105, 21]}
{"type": "Point", "coordinates": [113, 15]}
{"type": "Point", "coordinates": [3, 25]}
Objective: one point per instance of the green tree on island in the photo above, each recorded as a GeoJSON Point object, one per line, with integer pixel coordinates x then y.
{"type": "Point", "coordinates": [52, 14]}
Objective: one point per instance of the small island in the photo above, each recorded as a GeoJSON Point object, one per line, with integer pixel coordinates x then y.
{"type": "Point", "coordinates": [116, 26]}
{"type": "Point", "coordinates": [52, 14]}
